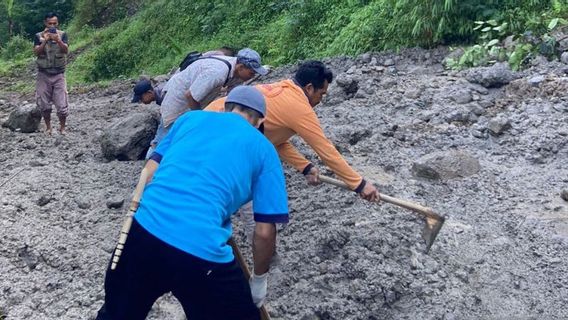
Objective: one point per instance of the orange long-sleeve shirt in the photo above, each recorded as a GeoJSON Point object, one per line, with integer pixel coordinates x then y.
{"type": "Point", "coordinates": [289, 112]}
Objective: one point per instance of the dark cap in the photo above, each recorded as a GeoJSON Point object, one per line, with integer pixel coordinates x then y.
{"type": "Point", "coordinates": [140, 88]}
{"type": "Point", "coordinates": [249, 97]}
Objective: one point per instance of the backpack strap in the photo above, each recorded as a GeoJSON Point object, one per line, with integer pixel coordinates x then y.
{"type": "Point", "coordinates": [226, 63]}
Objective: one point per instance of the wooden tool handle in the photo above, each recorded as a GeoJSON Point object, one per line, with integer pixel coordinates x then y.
{"type": "Point", "coordinates": [428, 212]}
{"type": "Point", "coordinates": [263, 312]}
{"type": "Point", "coordinates": [128, 220]}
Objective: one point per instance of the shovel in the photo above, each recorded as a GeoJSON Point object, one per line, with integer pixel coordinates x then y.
{"type": "Point", "coordinates": [434, 221]}
{"type": "Point", "coordinates": [263, 312]}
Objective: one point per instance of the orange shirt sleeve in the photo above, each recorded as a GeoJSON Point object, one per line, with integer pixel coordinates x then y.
{"type": "Point", "coordinates": [290, 154]}
{"type": "Point", "coordinates": [307, 126]}
{"type": "Point", "coordinates": [216, 106]}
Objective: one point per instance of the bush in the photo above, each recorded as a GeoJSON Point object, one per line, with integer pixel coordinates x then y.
{"type": "Point", "coordinates": [17, 48]}
{"type": "Point", "coordinates": [153, 36]}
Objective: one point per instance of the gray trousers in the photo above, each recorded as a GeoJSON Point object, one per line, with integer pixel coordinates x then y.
{"type": "Point", "coordinates": [52, 88]}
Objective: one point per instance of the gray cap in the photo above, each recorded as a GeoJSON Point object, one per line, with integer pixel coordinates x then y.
{"type": "Point", "coordinates": [249, 97]}
{"type": "Point", "coordinates": [251, 59]}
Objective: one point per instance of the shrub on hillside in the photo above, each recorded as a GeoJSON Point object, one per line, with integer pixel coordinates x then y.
{"type": "Point", "coordinates": [17, 48]}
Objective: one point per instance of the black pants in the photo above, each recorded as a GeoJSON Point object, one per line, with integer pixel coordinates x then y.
{"type": "Point", "coordinates": [149, 268]}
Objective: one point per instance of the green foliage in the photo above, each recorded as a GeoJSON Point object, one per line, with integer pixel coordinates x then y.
{"type": "Point", "coordinates": [100, 13]}
{"type": "Point", "coordinates": [27, 16]}
{"type": "Point", "coordinates": [17, 48]}
{"type": "Point", "coordinates": [123, 38]}
{"type": "Point", "coordinates": [521, 47]}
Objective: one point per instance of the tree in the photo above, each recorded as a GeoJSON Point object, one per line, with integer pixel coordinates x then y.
{"type": "Point", "coordinates": [9, 11]}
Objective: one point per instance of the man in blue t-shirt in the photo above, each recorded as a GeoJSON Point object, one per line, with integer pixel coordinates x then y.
{"type": "Point", "coordinates": [207, 166]}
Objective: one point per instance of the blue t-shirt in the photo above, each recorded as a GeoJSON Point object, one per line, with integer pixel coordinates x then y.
{"type": "Point", "coordinates": [210, 165]}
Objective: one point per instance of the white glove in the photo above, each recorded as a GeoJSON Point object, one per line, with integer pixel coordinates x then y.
{"type": "Point", "coordinates": [258, 288]}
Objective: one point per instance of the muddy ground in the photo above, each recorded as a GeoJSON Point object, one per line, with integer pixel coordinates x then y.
{"type": "Point", "coordinates": [501, 255]}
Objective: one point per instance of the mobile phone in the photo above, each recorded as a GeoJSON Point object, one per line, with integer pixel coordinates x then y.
{"type": "Point", "coordinates": [52, 30]}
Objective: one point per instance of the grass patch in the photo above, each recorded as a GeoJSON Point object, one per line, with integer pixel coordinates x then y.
{"type": "Point", "coordinates": [126, 38]}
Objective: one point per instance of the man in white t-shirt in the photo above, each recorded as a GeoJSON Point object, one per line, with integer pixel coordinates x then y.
{"type": "Point", "coordinates": [189, 89]}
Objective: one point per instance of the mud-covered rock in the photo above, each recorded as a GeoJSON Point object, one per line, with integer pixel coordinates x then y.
{"type": "Point", "coordinates": [115, 203]}
{"type": "Point", "coordinates": [461, 97]}
{"type": "Point", "coordinates": [129, 138]}
{"type": "Point", "coordinates": [446, 165]}
{"type": "Point", "coordinates": [498, 125]}
{"type": "Point", "coordinates": [365, 57]}
{"type": "Point", "coordinates": [564, 57]}
{"type": "Point", "coordinates": [44, 200]}
{"type": "Point", "coordinates": [496, 75]}
{"type": "Point", "coordinates": [82, 203]}
{"type": "Point", "coordinates": [388, 62]}
{"type": "Point", "coordinates": [349, 84]}
{"type": "Point", "coordinates": [536, 80]}
{"type": "Point", "coordinates": [25, 119]}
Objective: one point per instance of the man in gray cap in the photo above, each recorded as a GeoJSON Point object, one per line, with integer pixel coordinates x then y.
{"type": "Point", "coordinates": [197, 85]}
{"type": "Point", "coordinates": [207, 166]}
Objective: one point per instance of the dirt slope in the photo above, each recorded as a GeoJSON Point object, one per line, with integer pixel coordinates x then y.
{"type": "Point", "coordinates": [501, 255]}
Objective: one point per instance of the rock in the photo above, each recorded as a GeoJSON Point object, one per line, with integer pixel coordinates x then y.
{"type": "Point", "coordinates": [536, 81]}
{"type": "Point", "coordinates": [459, 115]}
{"type": "Point", "coordinates": [413, 94]}
{"type": "Point", "coordinates": [475, 108]}
{"type": "Point", "coordinates": [365, 58]}
{"type": "Point", "coordinates": [498, 125]}
{"type": "Point", "coordinates": [128, 138]}
{"type": "Point", "coordinates": [509, 42]}
{"type": "Point", "coordinates": [115, 203]}
{"type": "Point", "coordinates": [43, 200]}
{"type": "Point", "coordinates": [389, 83]}
{"type": "Point", "coordinates": [496, 75]}
{"type": "Point", "coordinates": [161, 78]}
{"type": "Point", "coordinates": [564, 195]}
{"type": "Point", "coordinates": [82, 203]}
{"type": "Point", "coordinates": [348, 83]}
{"type": "Point", "coordinates": [36, 163]}
{"type": "Point", "coordinates": [461, 97]}
{"type": "Point", "coordinates": [388, 62]}
{"type": "Point", "coordinates": [455, 54]}
{"type": "Point", "coordinates": [24, 119]}
{"type": "Point", "coordinates": [446, 165]}
{"type": "Point", "coordinates": [564, 57]}
{"type": "Point", "coordinates": [391, 296]}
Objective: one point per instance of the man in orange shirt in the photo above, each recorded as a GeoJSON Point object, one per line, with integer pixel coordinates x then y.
{"type": "Point", "coordinates": [289, 105]}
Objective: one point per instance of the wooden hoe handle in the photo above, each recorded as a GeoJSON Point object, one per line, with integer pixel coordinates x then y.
{"type": "Point", "coordinates": [128, 220]}
{"type": "Point", "coordinates": [263, 312]}
{"type": "Point", "coordinates": [427, 212]}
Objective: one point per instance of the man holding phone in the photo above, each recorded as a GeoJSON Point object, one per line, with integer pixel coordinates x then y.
{"type": "Point", "coordinates": [51, 48]}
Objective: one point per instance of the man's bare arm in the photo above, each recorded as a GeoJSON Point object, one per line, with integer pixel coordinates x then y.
{"type": "Point", "coordinates": [40, 49]}
{"type": "Point", "coordinates": [192, 103]}
{"type": "Point", "coordinates": [151, 167]}
{"type": "Point", "coordinates": [263, 247]}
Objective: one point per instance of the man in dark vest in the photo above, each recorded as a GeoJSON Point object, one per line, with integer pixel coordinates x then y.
{"type": "Point", "coordinates": [51, 48]}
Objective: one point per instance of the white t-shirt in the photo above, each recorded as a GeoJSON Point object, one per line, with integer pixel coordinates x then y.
{"type": "Point", "coordinates": [200, 78]}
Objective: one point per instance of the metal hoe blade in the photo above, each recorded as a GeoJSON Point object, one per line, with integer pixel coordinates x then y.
{"type": "Point", "coordinates": [431, 230]}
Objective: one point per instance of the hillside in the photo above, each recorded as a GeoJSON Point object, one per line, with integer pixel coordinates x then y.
{"type": "Point", "coordinates": [116, 39]}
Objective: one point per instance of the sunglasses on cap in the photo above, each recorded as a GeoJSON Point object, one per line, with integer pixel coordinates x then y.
{"type": "Point", "coordinates": [253, 64]}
